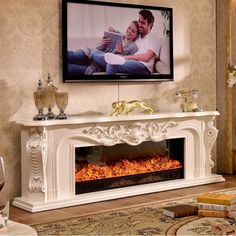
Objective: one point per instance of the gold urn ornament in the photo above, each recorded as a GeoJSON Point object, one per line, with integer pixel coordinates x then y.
{"type": "Point", "coordinates": [39, 101]}
{"type": "Point", "coordinates": [62, 102]}
{"type": "Point", "coordinates": [189, 100]}
{"type": "Point", "coordinates": [48, 97]}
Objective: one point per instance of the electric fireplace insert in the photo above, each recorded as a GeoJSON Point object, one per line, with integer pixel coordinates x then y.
{"type": "Point", "coordinates": [101, 167]}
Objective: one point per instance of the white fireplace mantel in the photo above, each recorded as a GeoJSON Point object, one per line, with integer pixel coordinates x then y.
{"type": "Point", "coordinates": [48, 154]}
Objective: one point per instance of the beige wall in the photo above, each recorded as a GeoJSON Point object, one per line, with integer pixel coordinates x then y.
{"type": "Point", "coordinates": [30, 47]}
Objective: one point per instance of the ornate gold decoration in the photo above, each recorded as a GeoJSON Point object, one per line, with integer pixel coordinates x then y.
{"type": "Point", "coordinates": [39, 101]}
{"type": "Point", "coordinates": [62, 102]}
{"type": "Point", "coordinates": [128, 107]}
{"type": "Point", "coordinates": [50, 98]}
{"type": "Point", "coordinates": [47, 97]}
{"type": "Point", "coordinates": [231, 81]}
{"type": "Point", "coordinates": [189, 102]}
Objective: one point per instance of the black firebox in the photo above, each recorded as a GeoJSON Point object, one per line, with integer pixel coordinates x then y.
{"type": "Point", "coordinates": [102, 168]}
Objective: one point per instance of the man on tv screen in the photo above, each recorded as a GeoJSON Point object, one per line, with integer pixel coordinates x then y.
{"type": "Point", "coordinates": [134, 53]}
{"type": "Point", "coordinates": [149, 44]}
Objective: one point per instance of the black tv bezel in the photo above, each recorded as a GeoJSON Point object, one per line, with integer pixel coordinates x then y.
{"type": "Point", "coordinates": [113, 78]}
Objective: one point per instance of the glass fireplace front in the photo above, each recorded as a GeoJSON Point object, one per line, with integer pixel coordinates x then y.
{"type": "Point", "coordinates": [101, 167]}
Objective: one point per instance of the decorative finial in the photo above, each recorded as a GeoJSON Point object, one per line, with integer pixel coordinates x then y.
{"type": "Point", "coordinates": [40, 85]}
{"type": "Point", "coordinates": [49, 81]}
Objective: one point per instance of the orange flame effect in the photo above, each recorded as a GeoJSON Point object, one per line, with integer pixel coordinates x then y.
{"type": "Point", "coordinates": [124, 167]}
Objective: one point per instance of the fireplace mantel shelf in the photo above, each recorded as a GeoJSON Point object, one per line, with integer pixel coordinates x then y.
{"type": "Point", "coordinates": [106, 118]}
{"type": "Point", "coordinates": [48, 154]}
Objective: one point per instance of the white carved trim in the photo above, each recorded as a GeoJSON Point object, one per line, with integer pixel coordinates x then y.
{"type": "Point", "coordinates": [131, 134]}
{"type": "Point", "coordinates": [158, 131]}
{"type": "Point", "coordinates": [37, 147]}
{"type": "Point", "coordinates": [110, 119]}
{"type": "Point", "coordinates": [48, 163]}
{"type": "Point", "coordinates": [211, 135]}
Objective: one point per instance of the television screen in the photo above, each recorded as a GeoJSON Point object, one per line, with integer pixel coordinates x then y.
{"type": "Point", "coordinates": [116, 42]}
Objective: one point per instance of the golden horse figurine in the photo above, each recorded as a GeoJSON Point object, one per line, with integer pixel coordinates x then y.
{"type": "Point", "coordinates": [128, 107]}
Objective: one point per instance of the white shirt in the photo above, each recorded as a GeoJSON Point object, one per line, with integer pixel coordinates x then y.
{"type": "Point", "coordinates": [149, 42]}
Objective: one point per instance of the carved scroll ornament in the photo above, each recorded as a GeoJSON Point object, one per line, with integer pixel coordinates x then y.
{"type": "Point", "coordinates": [212, 134]}
{"type": "Point", "coordinates": [37, 146]}
{"type": "Point", "coordinates": [130, 134]}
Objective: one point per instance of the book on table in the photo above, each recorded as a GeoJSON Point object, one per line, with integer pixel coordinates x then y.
{"type": "Point", "coordinates": [180, 210]}
{"type": "Point", "coordinates": [211, 213]}
{"type": "Point", "coordinates": [232, 214]}
{"type": "Point", "coordinates": [216, 207]}
{"type": "Point", "coordinates": [217, 198]}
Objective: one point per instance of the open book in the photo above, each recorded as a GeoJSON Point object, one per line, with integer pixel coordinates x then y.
{"type": "Point", "coordinates": [114, 37]}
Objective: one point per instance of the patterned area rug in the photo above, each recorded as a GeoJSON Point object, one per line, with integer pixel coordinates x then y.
{"type": "Point", "coordinates": [141, 220]}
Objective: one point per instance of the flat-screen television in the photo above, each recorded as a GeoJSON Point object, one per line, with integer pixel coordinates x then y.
{"type": "Point", "coordinates": [104, 41]}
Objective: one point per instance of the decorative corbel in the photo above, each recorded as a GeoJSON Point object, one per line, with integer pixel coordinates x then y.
{"type": "Point", "coordinates": [37, 148]}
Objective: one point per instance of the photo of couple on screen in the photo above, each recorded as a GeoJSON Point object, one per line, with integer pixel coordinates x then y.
{"type": "Point", "coordinates": [105, 40]}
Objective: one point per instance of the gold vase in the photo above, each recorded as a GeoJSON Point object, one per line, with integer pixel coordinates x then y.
{"type": "Point", "coordinates": [50, 101]}
{"type": "Point", "coordinates": [62, 102]}
{"type": "Point", "coordinates": [39, 101]}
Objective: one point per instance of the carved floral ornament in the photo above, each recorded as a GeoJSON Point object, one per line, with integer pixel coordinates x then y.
{"type": "Point", "coordinates": [36, 139]}
{"type": "Point", "coordinates": [37, 148]}
{"type": "Point", "coordinates": [131, 134]}
{"type": "Point", "coordinates": [212, 134]}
